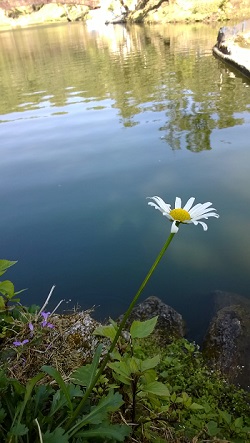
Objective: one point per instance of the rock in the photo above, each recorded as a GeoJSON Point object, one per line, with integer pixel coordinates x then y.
{"type": "Point", "coordinates": [227, 342]}
{"type": "Point", "coordinates": [170, 324]}
{"type": "Point", "coordinates": [233, 46]}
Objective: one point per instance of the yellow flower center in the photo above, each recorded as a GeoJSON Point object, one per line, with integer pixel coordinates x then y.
{"type": "Point", "coordinates": [180, 214]}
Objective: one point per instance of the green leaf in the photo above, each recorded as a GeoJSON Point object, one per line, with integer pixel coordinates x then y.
{"type": "Point", "coordinates": [59, 399]}
{"type": "Point", "coordinates": [7, 288]}
{"type": "Point", "coordinates": [195, 406]}
{"type": "Point", "coordinates": [2, 304]}
{"type": "Point", "coordinates": [212, 428]}
{"type": "Point", "coordinates": [150, 363]}
{"type": "Point", "coordinates": [134, 364]}
{"type": "Point", "coordinates": [19, 429]}
{"type": "Point", "coordinates": [156, 388]}
{"type": "Point", "coordinates": [7, 318]}
{"type": "Point", "coordinates": [108, 331]}
{"type": "Point", "coordinates": [58, 378]}
{"type": "Point", "coordinates": [5, 264]}
{"type": "Point", "coordinates": [121, 368]}
{"type": "Point", "coordinates": [98, 414]}
{"type": "Point", "coordinates": [58, 435]}
{"type": "Point", "coordinates": [225, 416]}
{"type": "Point", "coordinates": [111, 432]}
{"type": "Point", "coordinates": [142, 329]}
{"type": "Point", "coordinates": [85, 375]}
{"type": "Point", "coordinates": [238, 423]}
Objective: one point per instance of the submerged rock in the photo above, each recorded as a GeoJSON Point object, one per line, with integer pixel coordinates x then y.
{"type": "Point", "coordinates": [227, 342]}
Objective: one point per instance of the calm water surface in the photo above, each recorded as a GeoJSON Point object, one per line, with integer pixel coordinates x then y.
{"type": "Point", "coordinates": [91, 123]}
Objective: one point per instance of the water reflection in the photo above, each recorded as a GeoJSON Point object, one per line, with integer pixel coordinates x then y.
{"type": "Point", "coordinates": [93, 122]}
{"type": "Point", "coordinates": [165, 73]}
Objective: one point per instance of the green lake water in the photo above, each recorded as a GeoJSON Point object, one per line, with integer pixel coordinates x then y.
{"type": "Point", "coordinates": [93, 121]}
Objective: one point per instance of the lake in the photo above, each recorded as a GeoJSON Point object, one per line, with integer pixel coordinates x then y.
{"type": "Point", "coordinates": [92, 122]}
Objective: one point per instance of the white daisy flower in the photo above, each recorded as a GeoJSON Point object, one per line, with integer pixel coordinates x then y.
{"type": "Point", "coordinates": [187, 214]}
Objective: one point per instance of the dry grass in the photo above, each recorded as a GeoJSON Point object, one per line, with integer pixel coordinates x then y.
{"type": "Point", "coordinates": [67, 346]}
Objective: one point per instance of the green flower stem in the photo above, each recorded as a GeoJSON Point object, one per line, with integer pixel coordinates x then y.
{"type": "Point", "coordinates": [118, 333]}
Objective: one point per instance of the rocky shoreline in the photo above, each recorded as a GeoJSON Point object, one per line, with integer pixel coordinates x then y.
{"type": "Point", "coordinates": [226, 343]}
{"type": "Point", "coordinates": [16, 13]}
{"type": "Point", "coordinates": [233, 46]}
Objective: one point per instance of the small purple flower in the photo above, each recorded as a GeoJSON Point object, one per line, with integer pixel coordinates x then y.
{"type": "Point", "coordinates": [49, 325]}
{"type": "Point", "coordinates": [45, 315]}
{"type": "Point", "coordinates": [20, 343]}
{"type": "Point", "coordinates": [44, 323]}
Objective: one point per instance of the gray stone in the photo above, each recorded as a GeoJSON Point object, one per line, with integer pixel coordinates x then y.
{"type": "Point", "coordinates": [227, 342]}
{"type": "Point", "coordinates": [170, 324]}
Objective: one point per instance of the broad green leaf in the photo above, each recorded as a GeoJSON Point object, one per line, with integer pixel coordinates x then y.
{"type": "Point", "coordinates": [142, 329]}
{"type": "Point", "coordinates": [59, 399]}
{"type": "Point", "coordinates": [112, 432]}
{"type": "Point", "coordinates": [195, 406]}
{"type": "Point", "coordinates": [238, 423]}
{"type": "Point", "coordinates": [150, 363]}
{"type": "Point", "coordinates": [212, 428]}
{"type": "Point", "coordinates": [56, 436]}
{"type": "Point", "coordinates": [58, 378]}
{"type": "Point", "coordinates": [149, 376]}
{"type": "Point", "coordinates": [98, 414]}
{"type": "Point", "coordinates": [196, 421]}
{"type": "Point", "coordinates": [156, 388]}
{"type": "Point", "coordinates": [225, 416]}
{"type": "Point", "coordinates": [108, 331]}
{"type": "Point", "coordinates": [82, 375]}
{"type": "Point", "coordinates": [134, 364]}
{"type": "Point", "coordinates": [85, 375]}
{"type": "Point", "coordinates": [5, 264]}
{"type": "Point", "coordinates": [7, 288]}
{"type": "Point", "coordinates": [19, 429]}
{"type": "Point", "coordinates": [121, 368]}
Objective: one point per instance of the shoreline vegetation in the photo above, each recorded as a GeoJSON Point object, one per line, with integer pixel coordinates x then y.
{"type": "Point", "coordinates": [20, 13]}
{"type": "Point", "coordinates": [156, 387]}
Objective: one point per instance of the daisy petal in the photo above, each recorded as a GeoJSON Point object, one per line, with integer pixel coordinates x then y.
{"type": "Point", "coordinates": [204, 225]}
{"type": "Point", "coordinates": [189, 204]}
{"type": "Point", "coordinates": [209, 214]}
{"type": "Point", "coordinates": [199, 208]}
{"type": "Point", "coordinates": [177, 203]}
{"type": "Point", "coordinates": [174, 228]}
{"type": "Point", "coordinates": [159, 204]}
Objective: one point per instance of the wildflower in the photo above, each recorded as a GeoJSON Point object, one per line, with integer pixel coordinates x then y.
{"type": "Point", "coordinates": [49, 325]}
{"type": "Point", "coordinates": [187, 214]}
{"type": "Point", "coordinates": [31, 327]}
{"type": "Point", "coordinates": [20, 343]}
{"type": "Point", "coordinates": [44, 323]}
